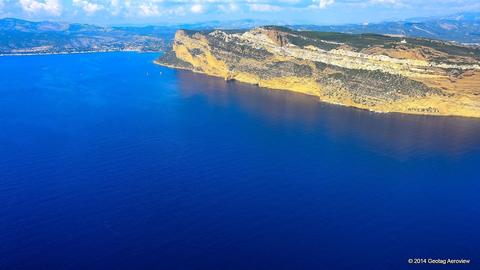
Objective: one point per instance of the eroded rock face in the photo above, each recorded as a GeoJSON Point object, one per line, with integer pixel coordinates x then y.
{"type": "Point", "coordinates": [379, 73]}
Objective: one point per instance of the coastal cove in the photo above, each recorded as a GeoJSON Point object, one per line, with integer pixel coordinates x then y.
{"type": "Point", "coordinates": [110, 161]}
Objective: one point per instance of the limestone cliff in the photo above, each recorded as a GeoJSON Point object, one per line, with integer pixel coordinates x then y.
{"type": "Point", "coordinates": [374, 72]}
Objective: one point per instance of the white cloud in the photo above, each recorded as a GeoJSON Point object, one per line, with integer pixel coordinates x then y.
{"type": "Point", "coordinates": [51, 7]}
{"type": "Point", "coordinates": [323, 3]}
{"type": "Point", "coordinates": [396, 3]}
{"type": "Point", "coordinates": [129, 10]}
{"type": "Point", "coordinates": [179, 11]}
{"type": "Point", "coordinates": [88, 7]}
{"type": "Point", "coordinates": [197, 8]}
{"type": "Point", "coordinates": [115, 7]}
{"type": "Point", "coordinates": [264, 7]}
{"type": "Point", "coordinates": [148, 9]}
{"type": "Point", "coordinates": [230, 7]}
{"type": "Point", "coordinates": [385, 1]}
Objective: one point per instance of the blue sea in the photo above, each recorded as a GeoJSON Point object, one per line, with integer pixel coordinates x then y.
{"type": "Point", "coordinates": [108, 161]}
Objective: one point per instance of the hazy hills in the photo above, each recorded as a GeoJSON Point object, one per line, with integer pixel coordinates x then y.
{"type": "Point", "coordinates": [462, 28]}
{"type": "Point", "coordinates": [24, 37]}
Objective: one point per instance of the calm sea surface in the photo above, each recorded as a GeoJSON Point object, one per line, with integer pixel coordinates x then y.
{"type": "Point", "coordinates": [108, 161]}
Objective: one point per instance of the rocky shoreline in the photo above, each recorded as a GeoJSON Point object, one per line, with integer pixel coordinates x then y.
{"type": "Point", "coordinates": [79, 52]}
{"type": "Point", "coordinates": [373, 72]}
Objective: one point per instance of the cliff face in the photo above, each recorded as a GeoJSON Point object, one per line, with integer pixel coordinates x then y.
{"type": "Point", "coordinates": [378, 73]}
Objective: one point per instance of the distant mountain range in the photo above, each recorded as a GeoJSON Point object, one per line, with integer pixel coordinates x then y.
{"type": "Point", "coordinates": [26, 37]}
{"type": "Point", "coordinates": [462, 28]}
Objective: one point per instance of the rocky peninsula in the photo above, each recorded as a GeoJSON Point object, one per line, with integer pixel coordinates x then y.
{"type": "Point", "coordinates": [375, 72]}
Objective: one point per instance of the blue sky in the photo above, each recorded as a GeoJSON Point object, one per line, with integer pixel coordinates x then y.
{"type": "Point", "coordinates": [185, 11]}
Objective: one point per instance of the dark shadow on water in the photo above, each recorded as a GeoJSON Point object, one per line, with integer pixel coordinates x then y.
{"type": "Point", "coordinates": [398, 135]}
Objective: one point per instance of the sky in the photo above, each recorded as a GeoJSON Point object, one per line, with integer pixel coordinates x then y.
{"type": "Point", "coordinates": [128, 12]}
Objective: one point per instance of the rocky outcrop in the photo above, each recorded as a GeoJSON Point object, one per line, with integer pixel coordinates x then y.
{"type": "Point", "coordinates": [374, 72]}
